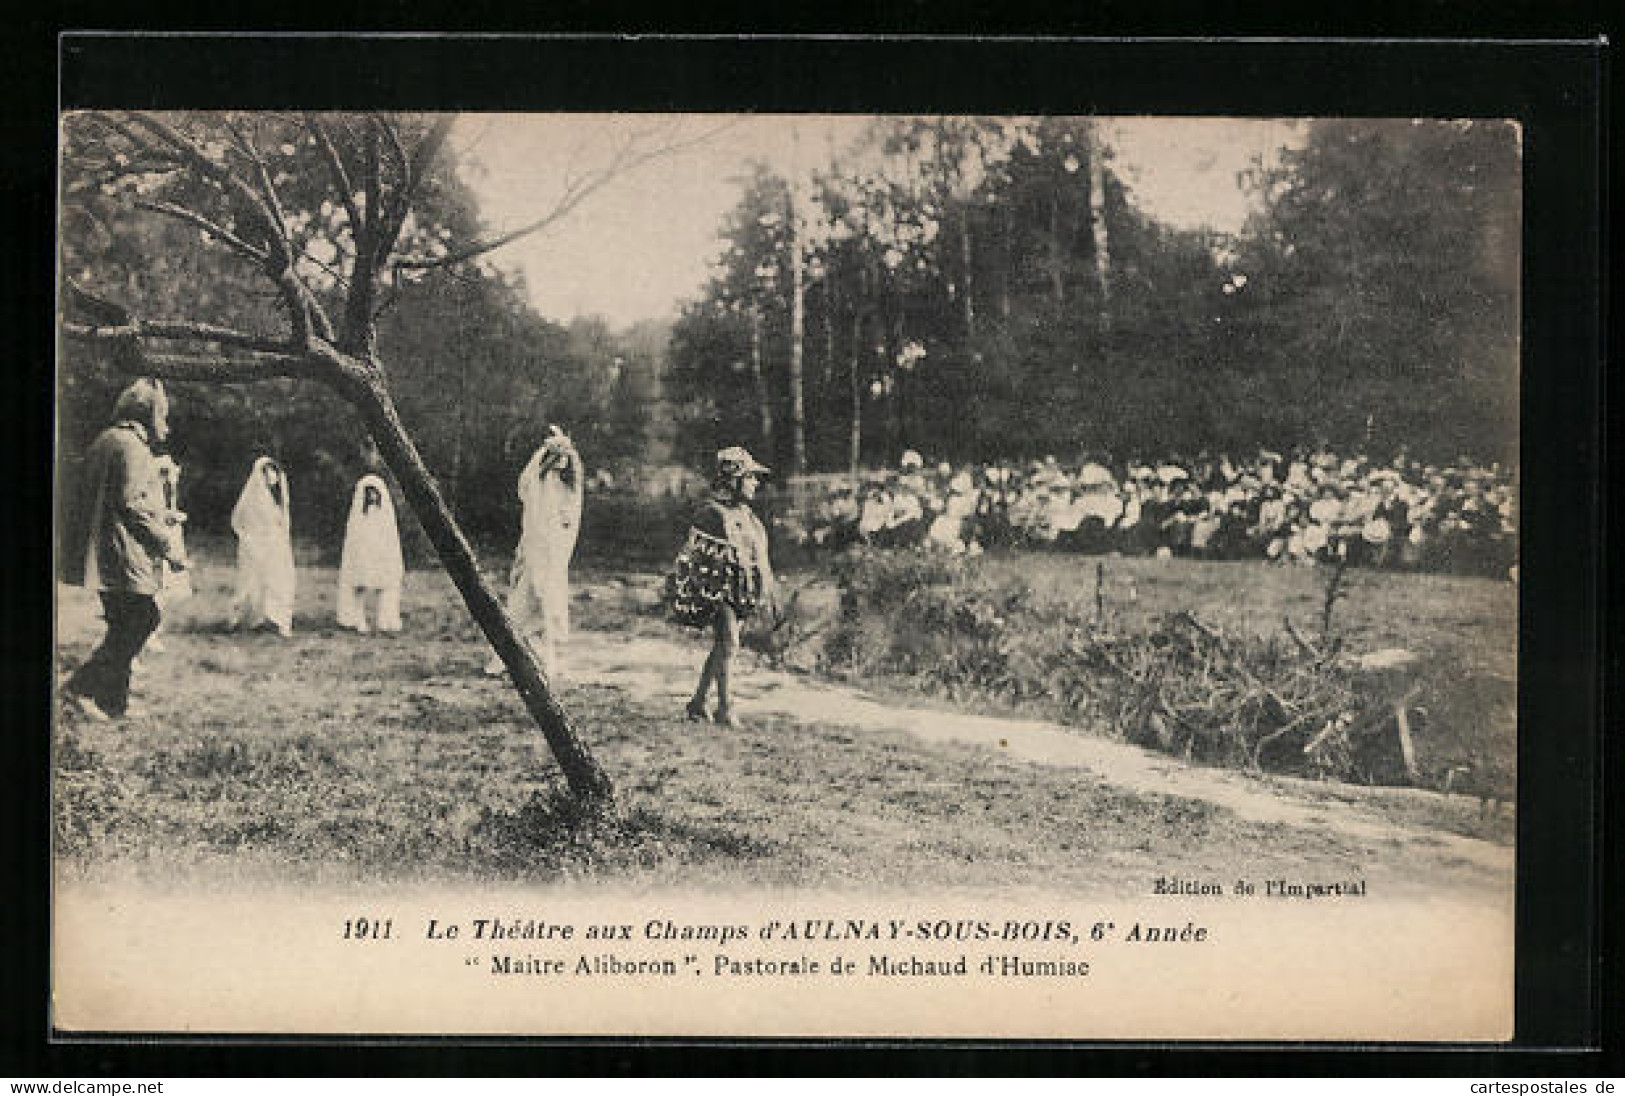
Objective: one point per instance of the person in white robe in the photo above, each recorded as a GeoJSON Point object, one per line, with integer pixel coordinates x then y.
{"type": "Point", "coordinates": [371, 568]}
{"type": "Point", "coordinates": [550, 496]}
{"type": "Point", "coordinates": [265, 572]}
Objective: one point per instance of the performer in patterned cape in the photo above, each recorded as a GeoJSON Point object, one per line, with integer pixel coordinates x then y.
{"type": "Point", "coordinates": [722, 574]}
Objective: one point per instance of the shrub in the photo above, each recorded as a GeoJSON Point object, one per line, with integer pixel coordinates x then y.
{"type": "Point", "coordinates": [786, 633]}
{"type": "Point", "coordinates": [937, 619]}
{"type": "Point", "coordinates": [1172, 683]}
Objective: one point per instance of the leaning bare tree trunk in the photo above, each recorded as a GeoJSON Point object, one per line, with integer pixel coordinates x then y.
{"type": "Point", "coordinates": [370, 396]}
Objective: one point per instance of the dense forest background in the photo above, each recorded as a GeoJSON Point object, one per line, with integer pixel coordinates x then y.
{"type": "Point", "coordinates": [974, 289]}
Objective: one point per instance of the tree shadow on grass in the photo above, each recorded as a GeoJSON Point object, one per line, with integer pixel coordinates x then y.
{"type": "Point", "coordinates": [554, 834]}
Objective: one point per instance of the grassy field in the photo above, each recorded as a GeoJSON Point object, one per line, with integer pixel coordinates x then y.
{"type": "Point", "coordinates": [335, 757]}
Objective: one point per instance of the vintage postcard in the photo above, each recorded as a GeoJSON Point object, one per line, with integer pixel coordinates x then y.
{"type": "Point", "coordinates": [725, 575]}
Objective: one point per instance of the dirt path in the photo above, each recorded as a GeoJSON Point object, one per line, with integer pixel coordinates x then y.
{"type": "Point", "coordinates": [663, 671]}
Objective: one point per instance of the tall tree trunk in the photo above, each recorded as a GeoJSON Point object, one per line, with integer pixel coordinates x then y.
{"type": "Point", "coordinates": [459, 428]}
{"type": "Point", "coordinates": [966, 275]}
{"type": "Point", "coordinates": [1057, 258]}
{"type": "Point", "coordinates": [764, 404]}
{"type": "Point", "coordinates": [855, 436]}
{"type": "Point", "coordinates": [828, 322]}
{"type": "Point", "coordinates": [1007, 261]}
{"type": "Point", "coordinates": [900, 385]}
{"type": "Point", "coordinates": [662, 426]}
{"type": "Point", "coordinates": [862, 308]}
{"type": "Point", "coordinates": [370, 396]}
{"type": "Point", "coordinates": [1097, 228]}
{"type": "Point", "coordinates": [798, 325]}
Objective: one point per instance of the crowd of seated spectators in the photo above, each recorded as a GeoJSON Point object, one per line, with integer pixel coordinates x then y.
{"type": "Point", "coordinates": [1302, 507]}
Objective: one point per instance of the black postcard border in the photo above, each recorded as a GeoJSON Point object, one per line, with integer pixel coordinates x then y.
{"type": "Point", "coordinates": [1554, 88]}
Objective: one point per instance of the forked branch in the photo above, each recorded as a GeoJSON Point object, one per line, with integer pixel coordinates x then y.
{"type": "Point", "coordinates": [197, 220]}
{"type": "Point", "coordinates": [335, 169]}
{"type": "Point", "coordinates": [275, 256]}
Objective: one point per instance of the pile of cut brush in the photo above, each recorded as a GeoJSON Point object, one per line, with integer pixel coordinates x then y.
{"type": "Point", "coordinates": [1273, 702]}
{"type": "Point", "coordinates": [1172, 682]}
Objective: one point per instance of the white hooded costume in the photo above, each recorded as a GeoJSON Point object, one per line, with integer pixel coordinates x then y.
{"type": "Point", "coordinates": [550, 492]}
{"type": "Point", "coordinates": [265, 574]}
{"type": "Point", "coordinates": [371, 564]}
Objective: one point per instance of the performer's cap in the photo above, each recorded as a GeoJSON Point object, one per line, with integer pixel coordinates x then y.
{"type": "Point", "coordinates": [737, 461]}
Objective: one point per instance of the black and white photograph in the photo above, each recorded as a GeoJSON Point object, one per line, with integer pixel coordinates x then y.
{"type": "Point", "coordinates": [888, 575]}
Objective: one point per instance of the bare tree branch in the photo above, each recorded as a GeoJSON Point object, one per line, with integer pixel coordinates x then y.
{"type": "Point", "coordinates": [303, 310]}
{"type": "Point", "coordinates": [241, 141]}
{"type": "Point", "coordinates": [335, 167]}
{"type": "Point", "coordinates": [190, 153]}
{"type": "Point", "coordinates": [430, 147]}
{"type": "Point", "coordinates": [119, 166]}
{"type": "Point", "coordinates": [136, 142]}
{"type": "Point", "coordinates": [225, 236]}
{"type": "Point", "coordinates": [115, 321]}
{"type": "Point", "coordinates": [302, 306]}
{"type": "Point", "coordinates": [358, 333]}
{"type": "Point", "coordinates": [566, 204]}
{"type": "Point", "coordinates": [337, 274]}
{"type": "Point", "coordinates": [273, 205]}
{"type": "Point", "coordinates": [397, 203]}
{"type": "Point", "coordinates": [99, 309]}
{"type": "Point", "coordinates": [626, 158]}
{"type": "Point", "coordinates": [217, 370]}
{"type": "Point", "coordinates": [177, 330]}
{"type": "Point", "coordinates": [392, 134]}
{"type": "Point", "coordinates": [113, 324]}
{"type": "Point", "coordinates": [413, 170]}
{"type": "Point", "coordinates": [91, 217]}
